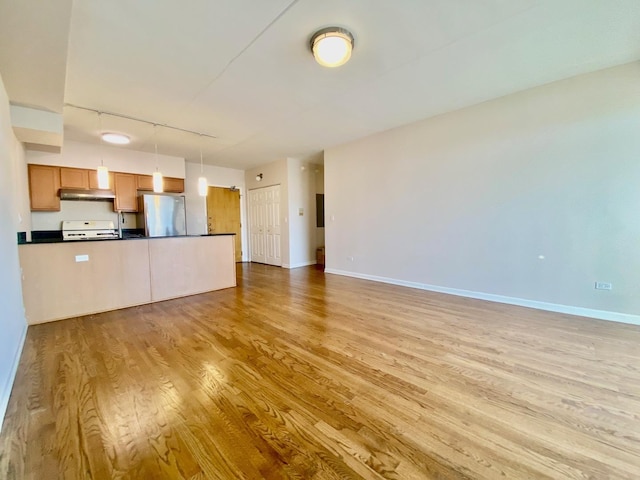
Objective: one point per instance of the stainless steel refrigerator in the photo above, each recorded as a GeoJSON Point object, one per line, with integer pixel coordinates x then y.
{"type": "Point", "coordinates": [162, 215]}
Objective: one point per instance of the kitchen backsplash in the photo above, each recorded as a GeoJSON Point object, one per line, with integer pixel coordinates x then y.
{"type": "Point", "coordinates": [80, 210]}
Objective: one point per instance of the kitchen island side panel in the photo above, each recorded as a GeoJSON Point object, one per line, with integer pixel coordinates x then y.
{"type": "Point", "coordinates": [183, 266]}
{"type": "Point", "coordinates": [63, 280]}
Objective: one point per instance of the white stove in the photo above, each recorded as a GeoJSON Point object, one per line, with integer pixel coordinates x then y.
{"type": "Point", "coordinates": [88, 230]}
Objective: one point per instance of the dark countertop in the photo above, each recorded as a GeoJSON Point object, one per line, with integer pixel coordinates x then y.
{"type": "Point", "coordinates": [125, 237]}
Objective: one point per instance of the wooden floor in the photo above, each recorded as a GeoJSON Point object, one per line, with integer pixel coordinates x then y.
{"type": "Point", "coordinates": [298, 374]}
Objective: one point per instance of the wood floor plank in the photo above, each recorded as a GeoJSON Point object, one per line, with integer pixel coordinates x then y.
{"type": "Point", "coordinates": [298, 374]}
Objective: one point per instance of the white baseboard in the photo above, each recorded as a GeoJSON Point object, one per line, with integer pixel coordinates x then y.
{"type": "Point", "coordinates": [522, 302]}
{"type": "Point", "coordinates": [298, 265]}
{"type": "Point", "coordinates": [5, 393]}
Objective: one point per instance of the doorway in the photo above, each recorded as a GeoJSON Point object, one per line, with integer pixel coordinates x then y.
{"type": "Point", "coordinates": [264, 225]}
{"type": "Point", "coordinates": [223, 214]}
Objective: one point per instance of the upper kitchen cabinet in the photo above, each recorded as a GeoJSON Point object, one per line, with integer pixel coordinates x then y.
{"type": "Point", "coordinates": [170, 184]}
{"type": "Point", "coordinates": [145, 182]}
{"type": "Point", "coordinates": [74, 178]}
{"type": "Point", "coordinates": [173, 185]}
{"type": "Point", "coordinates": [44, 184]}
{"type": "Point", "coordinates": [126, 190]}
{"type": "Point", "coordinates": [93, 180]}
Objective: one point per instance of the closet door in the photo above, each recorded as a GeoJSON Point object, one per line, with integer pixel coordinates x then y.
{"type": "Point", "coordinates": [264, 225]}
{"type": "Point", "coordinates": [257, 225]}
{"type": "Point", "coordinates": [272, 224]}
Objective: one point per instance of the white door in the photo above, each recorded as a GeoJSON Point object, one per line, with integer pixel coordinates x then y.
{"type": "Point", "coordinates": [272, 224]}
{"type": "Point", "coordinates": [256, 225]}
{"type": "Point", "coordinates": [264, 225]}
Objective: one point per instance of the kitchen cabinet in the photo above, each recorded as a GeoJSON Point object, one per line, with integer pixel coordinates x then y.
{"type": "Point", "coordinates": [126, 190]}
{"type": "Point", "coordinates": [44, 184]}
{"type": "Point", "coordinates": [170, 184]}
{"type": "Point", "coordinates": [93, 180]}
{"type": "Point", "coordinates": [145, 182]}
{"type": "Point", "coordinates": [174, 185]}
{"type": "Point", "coordinates": [74, 178]}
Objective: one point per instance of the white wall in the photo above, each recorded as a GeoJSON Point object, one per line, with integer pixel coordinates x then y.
{"type": "Point", "coordinates": [469, 202]}
{"type": "Point", "coordinates": [13, 324]}
{"type": "Point", "coordinates": [79, 210]}
{"type": "Point", "coordinates": [302, 218]}
{"type": "Point", "coordinates": [21, 192]}
{"type": "Point", "coordinates": [116, 159]}
{"type": "Point", "coordinates": [197, 205]}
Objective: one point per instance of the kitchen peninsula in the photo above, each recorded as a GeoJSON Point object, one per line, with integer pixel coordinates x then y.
{"type": "Point", "coordinates": [69, 279]}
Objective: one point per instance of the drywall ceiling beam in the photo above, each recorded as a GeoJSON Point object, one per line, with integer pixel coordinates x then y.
{"type": "Point", "coordinates": [37, 129]}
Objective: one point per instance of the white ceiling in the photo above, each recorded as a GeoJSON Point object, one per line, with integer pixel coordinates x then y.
{"type": "Point", "coordinates": [241, 70]}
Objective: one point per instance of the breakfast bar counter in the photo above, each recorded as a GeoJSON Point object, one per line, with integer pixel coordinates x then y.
{"type": "Point", "coordinates": [70, 279]}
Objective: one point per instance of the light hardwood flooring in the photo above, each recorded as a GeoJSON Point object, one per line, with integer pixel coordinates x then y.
{"type": "Point", "coordinates": [298, 374]}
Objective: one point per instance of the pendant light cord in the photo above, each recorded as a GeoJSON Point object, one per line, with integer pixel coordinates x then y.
{"type": "Point", "coordinates": [155, 144]}
{"type": "Point", "coordinates": [100, 137]}
{"type": "Point", "coordinates": [201, 163]}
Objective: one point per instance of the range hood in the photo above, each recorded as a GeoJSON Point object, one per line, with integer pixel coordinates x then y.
{"type": "Point", "coordinates": [77, 194]}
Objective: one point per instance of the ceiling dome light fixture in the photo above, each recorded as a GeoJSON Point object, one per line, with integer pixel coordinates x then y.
{"type": "Point", "coordinates": [116, 138]}
{"type": "Point", "coordinates": [332, 46]}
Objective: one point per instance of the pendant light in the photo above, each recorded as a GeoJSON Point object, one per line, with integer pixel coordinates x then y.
{"type": "Point", "coordinates": [158, 183]}
{"type": "Point", "coordinates": [203, 186]}
{"type": "Point", "coordinates": [103, 172]}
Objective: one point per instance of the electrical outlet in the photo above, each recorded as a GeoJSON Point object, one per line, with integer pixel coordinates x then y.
{"type": "Point", "coordinates": [82, 258]}
{"type": "Point", "coordinates": [604, 286]}
{"type": "Point", "coordinates": [350, 258]}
